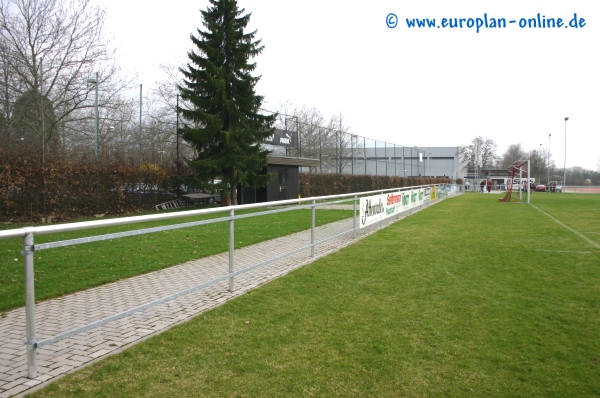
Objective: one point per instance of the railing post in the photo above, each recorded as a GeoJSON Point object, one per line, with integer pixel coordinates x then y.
{"type": "Point", "coordinates": [231, 248]}
{"type": "Point", "coordinates": [380, 218]}
{"type": "Point", "coordinates": [28, 243]}
{"type": "Point", "coordinates": [354, 216]}
{"type": "Point", "coordinates": [312, 229]}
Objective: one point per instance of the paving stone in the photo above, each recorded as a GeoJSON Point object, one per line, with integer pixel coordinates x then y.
{"type": "Point", "coordinates": [68, 312]}
{"type": "Point", "coordinates": [99, 353]}
{"type": "Point", "coordinates": [44, 377]}
{"type": "Point", "coordinates": [14, 391]}
{"type": "Point", "coordinates": [60, 370]}
{"type": "Point", "coordinates": [32, 383]}
{"type": "Point", "coordinates": [15, 382]}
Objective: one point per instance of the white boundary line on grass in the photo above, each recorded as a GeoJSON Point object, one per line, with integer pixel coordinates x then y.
{"type": "Point", "coordinates": [569, 228]}
{"type": "Point", "coordinates": [563, 251]}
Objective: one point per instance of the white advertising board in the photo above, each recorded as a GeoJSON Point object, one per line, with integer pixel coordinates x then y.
{"type": "Point", "coordinates": [378, 207]}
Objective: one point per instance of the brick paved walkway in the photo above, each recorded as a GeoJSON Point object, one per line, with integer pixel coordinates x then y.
{"type": "Point", "coordinates": [79, 309]}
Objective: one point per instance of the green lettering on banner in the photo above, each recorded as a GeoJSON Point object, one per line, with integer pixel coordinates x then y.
{"type": "Point", "coordinates": [405, 199]}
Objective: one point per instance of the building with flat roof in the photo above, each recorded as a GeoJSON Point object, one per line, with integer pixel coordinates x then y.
{"type": "Point", "coordinates": [396, 160]}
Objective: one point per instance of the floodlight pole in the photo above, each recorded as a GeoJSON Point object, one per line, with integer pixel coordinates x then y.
{"type": "Point", "coordinates": [548, 184]}
{"type": "Point", "coordinates": [177, 149]}
{"type": "Point", "coordinates": [140, 134]}
{"type": "Point", "coordinates": [528, 183]}
{"type": "Point", "coordinates": [540, 174]}
{"type": "Point", "coordinates": [565, 165]}
{"type": "Point", "coordinates": [95, 82]}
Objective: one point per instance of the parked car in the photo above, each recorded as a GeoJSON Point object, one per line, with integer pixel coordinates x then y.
{"type": "Point", "coordinates": [540, 188]}
{"type": "Point", "coordinates": [557, 185]}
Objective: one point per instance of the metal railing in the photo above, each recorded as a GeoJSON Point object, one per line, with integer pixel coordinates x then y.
{"type": "Point", "coordinates": [29, 248]}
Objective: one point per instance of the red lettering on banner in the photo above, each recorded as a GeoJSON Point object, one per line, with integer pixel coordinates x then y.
{"type": "Point", "coordinates": [392, 199]}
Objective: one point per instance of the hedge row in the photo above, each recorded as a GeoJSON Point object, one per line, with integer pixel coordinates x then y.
{"type": "Point", "coordinates": [66, 189]}
{"type": "Point", "coordinates": [70, 189]}
{"type": "Point", "coordinates": [333, 184]}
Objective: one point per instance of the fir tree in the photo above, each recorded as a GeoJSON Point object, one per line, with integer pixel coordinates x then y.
{"type": "Point", "coordinates": [222, 121]}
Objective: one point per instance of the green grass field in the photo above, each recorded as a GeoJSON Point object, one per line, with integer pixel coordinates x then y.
{"type": "Point", "coordinates": [470, 297]}
{"type": "Point", "coordinates": [66, 270]}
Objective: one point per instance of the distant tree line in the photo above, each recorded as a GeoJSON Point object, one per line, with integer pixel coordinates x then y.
{"type": "Point", "coordinates": [483, 153]}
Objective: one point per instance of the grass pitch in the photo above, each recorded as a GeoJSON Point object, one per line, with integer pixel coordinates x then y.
{"type": "Point", "coordinates": [67, 270]}
{"type": "Point", "coordinates": [470, 297]}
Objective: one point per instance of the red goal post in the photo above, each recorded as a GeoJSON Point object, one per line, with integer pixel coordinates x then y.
{"type": "Point", "coordinates": [517, 171]}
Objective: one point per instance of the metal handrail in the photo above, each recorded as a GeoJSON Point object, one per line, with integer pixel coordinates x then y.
{"type": "Point", "coordinates": [29, 247]}
{"type": "Point", "coordinates": [50, 229]}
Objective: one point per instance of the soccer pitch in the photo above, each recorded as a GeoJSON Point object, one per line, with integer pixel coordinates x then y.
{"type": "Point", "coordinates": [470, 297]}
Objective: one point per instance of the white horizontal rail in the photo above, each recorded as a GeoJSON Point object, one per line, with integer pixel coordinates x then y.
{"type": "Point", "coordinates": [51, 229]}
{"type": "Point", "coordinates": [29, 246]}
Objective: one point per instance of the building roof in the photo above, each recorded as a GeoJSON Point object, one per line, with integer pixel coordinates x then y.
{"type": "Point", "coordinates": [293, 161]}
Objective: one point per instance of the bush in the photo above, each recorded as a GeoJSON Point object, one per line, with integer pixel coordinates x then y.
{"type": "Point", "coordinates": [334, 184]}
{"type": "Point", "coordinates": [65, 189]}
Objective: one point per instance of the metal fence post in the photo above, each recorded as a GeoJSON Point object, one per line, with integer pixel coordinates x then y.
{"type": "Point", "coordinates": [30, 305]}
{"type": "Point", "coordinates": [231, 248]}
{"type": "Point", "coordinates": [354, 216]}
{"type": "Point", "coordinates": [312, 229]}
{"type": "Point", "coordinates": [380, 218]}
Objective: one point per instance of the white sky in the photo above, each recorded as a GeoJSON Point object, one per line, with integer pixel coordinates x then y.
{"type": "Point", "coordinates": [425, 87]}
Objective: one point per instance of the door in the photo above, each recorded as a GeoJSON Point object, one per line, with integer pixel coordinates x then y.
{"type": "Point", "coordinates": [283, 184]}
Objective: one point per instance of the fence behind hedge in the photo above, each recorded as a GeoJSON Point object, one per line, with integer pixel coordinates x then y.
{"type": "Point", "coordinates": [32, 189]}
{"type": "Point", "coordinates": [58, 188]}
{"type": "Point", "coordinates": [334, 184]}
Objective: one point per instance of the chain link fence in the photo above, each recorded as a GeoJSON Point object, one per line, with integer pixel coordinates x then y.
{"type": "Point", "coordinates": [118, 157]}
{"type": "Point", "coordinates": [341, 152]}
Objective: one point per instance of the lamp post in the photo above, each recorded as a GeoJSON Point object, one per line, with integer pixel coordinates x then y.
{"type": "Point", "coordinates": [418, 159]}
{"type": "Point", "coordinates": [548, 184]}
{"type": "Point", "coordinates": [429, 161]}
{"type": "Point", "coordinates": [95, 83]}
{"type": "Point", "coordinates": [177, 149]}
{"type": "Point", "coordinates": [107, 132]}
{"type": "Point", "coordinates": [539, 173]}
{"type": "Point", "coordinates": [565, 165]}
{"type": "Point", "coordinates": [352, 139]}
{"type": "Point", "coordinates": [540, 162]}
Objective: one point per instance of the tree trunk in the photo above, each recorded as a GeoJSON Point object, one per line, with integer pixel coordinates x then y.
{"type": "Point", "coordinates": [233, 198]}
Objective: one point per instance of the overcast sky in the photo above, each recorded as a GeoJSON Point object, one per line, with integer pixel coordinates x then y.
{"type": "Point", "coordinates": [407, 86]}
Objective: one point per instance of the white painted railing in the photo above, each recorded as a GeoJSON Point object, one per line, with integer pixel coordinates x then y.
{"type": "Point", "coordinates": [29, 246]}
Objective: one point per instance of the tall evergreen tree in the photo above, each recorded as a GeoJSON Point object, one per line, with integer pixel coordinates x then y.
{"type": "Point", "coordinates": [222, 121]}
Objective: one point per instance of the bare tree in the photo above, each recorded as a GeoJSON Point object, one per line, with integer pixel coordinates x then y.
{"type": "Point", "coordinates": [512, 154]}
{"type": "Point", "coordinates": [308, 122]}
{"type": "Point", "coordinates": [52, 48]}
{"type": "Point", "coordinates": [481, 153]}
{"type": "Point", "coordinates": [539, 163]}
{"type": "Point", "coordinates": [339, 143]}
{"type": "Point", "coordinates": [330, 141]}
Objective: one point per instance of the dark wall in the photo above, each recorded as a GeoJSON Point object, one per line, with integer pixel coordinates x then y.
{"type": "Point", "coordinates": [285, 185]}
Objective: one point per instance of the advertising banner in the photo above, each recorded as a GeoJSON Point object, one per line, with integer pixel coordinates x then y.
{"type": "Point", "coordinates": [379, 207]}
{"type": "Point", "coordinates": [434, 193]}
{"type": "Point", "coordinates": [283, 138]}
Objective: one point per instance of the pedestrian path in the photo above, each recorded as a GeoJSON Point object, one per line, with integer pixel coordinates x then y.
{"type": "Point", "coordinates": [66, 313]}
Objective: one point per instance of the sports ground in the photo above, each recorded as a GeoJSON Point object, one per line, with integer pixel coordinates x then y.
{"type": "Point", "coordinates": [470, 297]}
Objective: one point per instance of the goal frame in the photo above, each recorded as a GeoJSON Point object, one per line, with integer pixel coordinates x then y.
{"type": "Point", "coordinates": [515, 170]}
